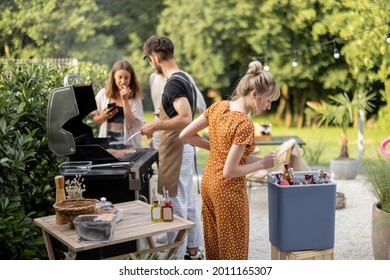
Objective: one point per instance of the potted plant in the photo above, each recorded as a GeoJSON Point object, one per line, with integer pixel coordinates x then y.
{"type": "Point", "coordinates": [378, 178]}
{"type": "Point", "coordinates": [341, 112]}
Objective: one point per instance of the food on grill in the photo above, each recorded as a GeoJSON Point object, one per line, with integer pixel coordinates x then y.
{"type": "Point", "coordinates": [120, 153]}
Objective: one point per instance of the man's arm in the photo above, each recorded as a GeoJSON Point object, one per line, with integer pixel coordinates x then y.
{"type": "Point", "coordinates": [180, 121]}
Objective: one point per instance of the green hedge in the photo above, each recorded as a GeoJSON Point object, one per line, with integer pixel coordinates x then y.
{"type": "Point", "coordinates": [27, 166]}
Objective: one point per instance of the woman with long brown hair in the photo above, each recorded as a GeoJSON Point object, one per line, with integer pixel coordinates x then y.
{"type": "Point", "coordinates": [119, 106]}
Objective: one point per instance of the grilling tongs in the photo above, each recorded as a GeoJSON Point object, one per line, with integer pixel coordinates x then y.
{"type": "Point", "coordinates": [124, 142]}
{"type": "Point", "coordinates": [113, 164]}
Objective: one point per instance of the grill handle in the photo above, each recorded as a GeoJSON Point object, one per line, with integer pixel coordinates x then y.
{"type": "Point", "coordinates": [69, 77]}
{"type": "Point", "coordinates": [143, 198]}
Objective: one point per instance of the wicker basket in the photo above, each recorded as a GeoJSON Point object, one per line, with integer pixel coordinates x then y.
{"type": "Point", "coordinates": [69, 209]}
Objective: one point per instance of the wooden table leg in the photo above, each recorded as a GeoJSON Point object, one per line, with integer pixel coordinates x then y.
{"type": "Point", "coordinates": [150, 242]}
{"type": "Point", "coordinates": [71, 255]}
{"type": "Point", "coordinates": [179, 239]}
{"type": "Point", "coordinates": [49, 247]}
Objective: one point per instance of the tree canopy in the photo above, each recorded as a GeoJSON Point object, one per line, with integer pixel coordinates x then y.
{"type": "Point", "coordinates": [215, 41]}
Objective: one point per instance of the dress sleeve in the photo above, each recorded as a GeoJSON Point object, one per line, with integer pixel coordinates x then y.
{"type": "Point", "coordinates": [244, 134]}
{"type": "Point", "coordinates": [208, 111]}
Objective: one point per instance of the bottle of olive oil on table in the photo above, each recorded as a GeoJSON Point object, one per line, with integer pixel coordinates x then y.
{"type": "Point", "coordinates": [167, 207]}
{"type": "Point", "coordinates": [156, 211]}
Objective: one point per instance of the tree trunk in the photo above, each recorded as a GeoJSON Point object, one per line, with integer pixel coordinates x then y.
{"type": "Point", "coordinates": [295, 106]}
{"type": "Point", "coordinates": [282, 102]}
{"type": "Point", "coordinates": [6, 50]}
{"type": "Point", "coordinates": [288, 116]}
{"type": "Point", "coordinates": [387, 96]}
{"type": "Point", "coordinates": [301, 102]}
{"type": "Point", "coordinates": [386, 82]}
{"type": "Point", "coordinates": [344, 146]}
{"type": "Point", "coordinates": [355, 119]}
{"type": "Point", "coordinates": [284, 106]}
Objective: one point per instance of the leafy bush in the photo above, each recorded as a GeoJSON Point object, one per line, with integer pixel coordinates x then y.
{"type": "Point", "coordinates": [383, 121]}
{"type": "Point", "coordinates": [92, 73]}
{"type": "Point", "coordinates": [27, 166]}
{"type": "Point", "coordinates": [95, 74]}
{"type": "Point", "coordinates": [313, 152]}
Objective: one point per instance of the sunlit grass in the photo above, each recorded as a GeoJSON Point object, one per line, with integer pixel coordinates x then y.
{"type": "Point", "coordinates": [328, 137]}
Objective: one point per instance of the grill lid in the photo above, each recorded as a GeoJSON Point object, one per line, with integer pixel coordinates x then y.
{"type": "Point", "coordinates": [69, 136]}
{"type": "Point", "coordinates": [67, 108]}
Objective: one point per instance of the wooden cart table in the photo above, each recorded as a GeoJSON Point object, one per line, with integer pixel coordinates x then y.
{"type": "Point", "coordinates": [136, 224]}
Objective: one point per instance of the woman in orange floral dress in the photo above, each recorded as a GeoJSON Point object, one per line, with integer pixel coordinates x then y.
{"type": "Point", "coordinates": [225, 208]}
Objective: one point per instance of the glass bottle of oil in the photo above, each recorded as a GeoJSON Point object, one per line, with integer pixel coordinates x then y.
{"type": "Point", "coordinates": [156, 211]}
{"type": "Point", "coordinates": [167, 207]}
{"type": "Point", "coordinates": [286, 174]}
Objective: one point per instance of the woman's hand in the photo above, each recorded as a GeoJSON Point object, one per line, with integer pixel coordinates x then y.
{"type": "Point", "coordinates": [269, 160]}
{"type": "Point", "coordinates": [125, 93]}
{"type": "Point", "coordinates": [233, 168]}
{"type": "Point", "coordinates": [104, 116]}
{"type": "Point", "coordinates": [108, 113]}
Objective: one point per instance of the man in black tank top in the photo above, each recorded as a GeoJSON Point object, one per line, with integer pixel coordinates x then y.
{"type": "Point", "coordinates": [176, 164]}
{"type": "Point", "coordinates": [178, 85]}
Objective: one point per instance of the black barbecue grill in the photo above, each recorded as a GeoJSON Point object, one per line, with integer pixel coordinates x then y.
{"type": "Point", "coordinates": [69, 136]}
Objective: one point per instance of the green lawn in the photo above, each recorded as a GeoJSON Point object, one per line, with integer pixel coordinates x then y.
{"type": "Point", "coordinates": [323, 142]}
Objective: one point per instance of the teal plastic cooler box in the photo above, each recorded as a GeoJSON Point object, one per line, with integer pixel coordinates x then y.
{"type": "Point", "coordinates": [301, 217]}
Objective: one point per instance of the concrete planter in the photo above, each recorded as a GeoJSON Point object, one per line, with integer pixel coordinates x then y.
{"type": "Point", "coordinates": [346, 168]}
{"type": "Point", "coordinates": [380, 233]}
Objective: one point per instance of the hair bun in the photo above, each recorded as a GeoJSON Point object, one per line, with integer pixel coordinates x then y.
{"type": "Point", "coordinates": [254, 68]}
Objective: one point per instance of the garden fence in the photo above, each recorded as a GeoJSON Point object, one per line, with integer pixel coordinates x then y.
{"type": "Point", "coordinates": [55, 61]}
